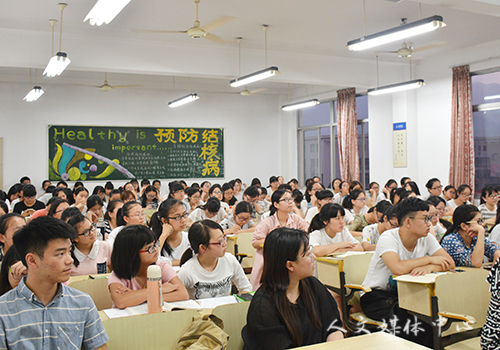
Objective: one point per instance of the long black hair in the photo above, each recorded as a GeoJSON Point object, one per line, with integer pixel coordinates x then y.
{"type": "Point", "coordinates": [347, 202]}
{"type": "Point", "coordinates": [199, 234]}
{"type": "Point", "coordinates": [10, 258]}
{"type": "Point", "coordinates": [275, 199]}
{"type": "Point", "coordinates": [156, 224]}
{"type": "Point", "coordinates": [281, 245]}
{"type": "Point", "coordinates": [144, 197]}
{"type": "Point", "coordinates": [462, 214]}
{"type": "Point", "coordinates": [124, 211]}
{"type": "Point", "coordinates": [329, 211]}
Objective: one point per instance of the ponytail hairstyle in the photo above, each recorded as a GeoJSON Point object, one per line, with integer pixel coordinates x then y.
{"type": "Point", "coordinates": [282, 245]}
{"type": "Point", "coordinates": [462, 214]}
{"type": "Point", "coordinates": [347, 203]}
{"type": "Point", "coordinates": [124, 211]}
{"type": "Point", "coordinates": [329, 211]}
{"type": "Point", "coordinates": [144, 197]}
{"type": "Point", "coordinates": [199, 234]}
{"type": "Point", "coordinates": [111, 207]}
{"type": "Point", "coordinates": [75, 221]}
{"type": "Point", "coordinates": [164, 211]}
{"type": "Point", "coordinates": [275, 199]}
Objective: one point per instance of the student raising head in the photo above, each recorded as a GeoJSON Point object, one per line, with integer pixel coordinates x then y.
{"type": "Point", "coordinates": [168, 225]}
{"type": "Point", "coordinates": [291, 308]}
{"type": "Point", "coordinates": [371, 233]}
{"type": "Point", "coordinates": [322, 197]}
{"type": "Point", "coordinates": [130, 214]}
{"type": "Point", "coordinates": [135, 249]}
{"type": "Point", "coordinates": [207, 271]}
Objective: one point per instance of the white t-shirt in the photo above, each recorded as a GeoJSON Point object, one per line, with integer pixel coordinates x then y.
{"type": "Point", "coordinates": [112, 235]}
{"type": "Point", "coordinates": [311, 213]}
{"type": "Point", "coordinates": [380, 197]}
{"type": "Point", "coordinates": [201, 283]}
{"type": "Point", "coordinates": [179, 250]}
{"type": "Point", "coordinates": [348, 217]}
{"type": "Point", "coordinates": [378, 273]}
{"type": "Point", "coordinates": [495, 235]}
{"type": "Point", "coordinates": [337, 198]}
{"type": "Point", "coordinates": [440, 230]}
{"type": "Point", "coordinates": [451, 203]}
{"type": "Point", "coordinates": [371, 234]}
{"type": "Point", "coordinates": [486, 213]}
{"type": "Point", "coordinates": [199, 214]}
{"type": "Point", "coordinates": [320, 237]}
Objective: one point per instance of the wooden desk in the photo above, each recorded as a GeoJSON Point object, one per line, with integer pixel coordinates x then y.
{"type": "Point", "coordinates": [231, 242]}
{"type": "Point", "coordinates": [353, 266]}
{"type": "Point", "coordinates": [242, 243]}
{"type": "Point", "coordinates": [374, 341]}
{"type": "Point", "coordinates": [465, 293]}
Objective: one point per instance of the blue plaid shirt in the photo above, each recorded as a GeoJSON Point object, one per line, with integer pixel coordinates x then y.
{"type": "Point", "coordinates": [69, 321]}
{"type": "Point", "coordinates": [455, 246]}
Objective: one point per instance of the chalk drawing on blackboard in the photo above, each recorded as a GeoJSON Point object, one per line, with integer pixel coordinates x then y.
{"type": "Point", "coordinates": [70, 163]}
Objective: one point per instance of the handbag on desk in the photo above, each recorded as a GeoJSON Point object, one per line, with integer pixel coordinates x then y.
{"type": "Point", "coordinates": [204, 333]}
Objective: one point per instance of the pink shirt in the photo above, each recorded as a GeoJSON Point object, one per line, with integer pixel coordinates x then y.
{"type": "Point", "coordinates": [94, 263]}
{"type": "Point", "coordinates": [261, 231]}
{"type": "Point", "coordinates": [38, 213]}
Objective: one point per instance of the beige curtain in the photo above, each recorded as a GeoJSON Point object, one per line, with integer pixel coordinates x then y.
{"type": "Point", "coordinates": [348, 134]}
{"type": "Point", "coordinates": [462, 167]}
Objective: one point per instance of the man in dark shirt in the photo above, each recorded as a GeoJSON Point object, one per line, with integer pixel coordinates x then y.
{"type": "Point", "coordinates": [29, 204]}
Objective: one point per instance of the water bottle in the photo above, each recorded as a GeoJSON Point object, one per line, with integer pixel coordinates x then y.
{"type": "Point", "coordinates": [155, 298]}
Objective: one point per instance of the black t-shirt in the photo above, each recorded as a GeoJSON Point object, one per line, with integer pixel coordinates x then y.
{"type": "Point", "coordinates": [265, 328]}
{"type": "Point", "coordinates": [20, 206]}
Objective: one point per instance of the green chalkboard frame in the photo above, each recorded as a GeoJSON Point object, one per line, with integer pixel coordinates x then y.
{"type": "Point", "coordinates": [81, 152]}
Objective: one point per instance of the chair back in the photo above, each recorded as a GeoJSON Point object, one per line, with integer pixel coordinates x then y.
{"type": "Point", "coordinates": [234, 317]}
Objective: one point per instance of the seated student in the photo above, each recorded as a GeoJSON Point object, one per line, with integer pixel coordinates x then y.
{"type": "Point", "coordinates": [488, 205]}
{"type": "Point", "coordinates": [372, 233]}
{"type": "Point", "coordinates": [298, 200]}
{"type": "Point", "coordinates": [29, 204]}
{"type": "Point", "coordinates": [69, 212]}
{"type": "Point", "coordinates": [115, 194]}
{"type": "Point", "coordinates": [294, 184]}
{"type": "Point", "coordinates": [207, 271]}
{"type": "Point", "coordinates": [373, 192]}
{"type": "Point", "coordinates": [449, 193]}
{"type": "Point", "coordinates": [373, 216]}
{"type": "Point", "coordinates": [400, 193]}
{"type": "Point", "coordinates": [60, 193]}
{"type": "Point", "coordinates": [211, 210]}
{"type": "Point", "coordinates": [227, 194]}
{"type": "Point", "coordinates": [135, 249]}
{"type": "Point", "coordinates": [251, 195]}
{"type": "Point", "coordinates": [205, 188]}
{"type": "Point", "coordinates": [193, 198]}
{"type": "Point", "coordinates": [42, 312]}
{"type": "Point", "coordinates": [412, 187]}
{"type": "Point", "coordinates": [354, 204]}
{"type": "Point", "coordinates": [149, 198]}
{"type": "Point", "coordinates": [465, 241]}
{"type": "Point", "coordinates": [463, 195]}
{"type": "Point", "coordinates": [90, 256]}
{"type": "Point", "coordinates": [344, 192]}
{"type": "Point", "coordinates": [291, 308]}
{"type": "Point", "coordinates": [168, 224]}
{"type": "Point", "coordinates": [390, 185]}
{"type": "Point", "coordinates": [12, 271]}
{"type": "Point", "coordinates": [9, 225]}
{"type": "Point", "coordinates": [13, 195]}
{"type": "Point", "coordinates": [44, 198]}
{"type": "Point", "coordinates": [490, 333]}
{"type": "Point", "coordinates": [130, 214]}
{"type": "Point", "coordinates": [440, 226]}
{"type": "Point", "coordinates": [328, 233]}
{"type": "Point", "coordinates": [93, 208]}
{"type": "Point", "coordinates": [273, 186]}
{"type": "Point", "coordinates": [216, 191]}
{"type": "Point", "coordinates": [494, 236]}
{"type": "Point", "coordinates": [408, 249]}
{"type": "Point", "coordinates": [177, 192]}
{"type": "Point", "coordinates": [57, 207]}
{"type": "Point", "coordinates": [241, 221]}
{"type": "Point", "coordinates": [111, 216]}
{"type": "Point", "coordinates": [4, 209]}
{"type": "Point", "coordinates": [263, 202]}
{"type": "Point", "coordinates": [44, 211]}
{"type": "Point", "coordinates": [322, 197]}
{"type": "Point", "coordinates": [434, 187]}
{"type": "Point", "coordinates": [238, 188]}
{"type": "Point", "coordinates": [311, 190]}
{"type": "Point", "coordinates": [80, 195]}
{"type": "Point", "coordinates": [280, 216]}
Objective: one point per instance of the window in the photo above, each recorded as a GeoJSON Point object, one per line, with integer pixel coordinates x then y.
{"type": "Point", "coordinates": [486, 120]}
{"type": "Point", "coordinates": [318, 142]}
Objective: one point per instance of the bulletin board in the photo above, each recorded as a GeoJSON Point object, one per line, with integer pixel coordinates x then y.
{"type": "Point", "coordinates": [399, 142]}
{"type": "Point", "coordinates": [117, 153]}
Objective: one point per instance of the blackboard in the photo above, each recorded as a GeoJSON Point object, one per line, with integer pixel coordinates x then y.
{"type": "Point", "coordinates": [117, 153]}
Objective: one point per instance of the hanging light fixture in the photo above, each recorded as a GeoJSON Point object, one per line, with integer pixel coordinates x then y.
{"type": "Point", "coordinates": [104, 11]}
{"type": "Point", "coordinates": [34, 93]}
{"type": "Point", "coordinates": [260, 75]}
{"type": "Point", "coordinates": [185, 99]}
{"type": "Point", "coordinates": [300, 105]}
{"type": "Point", "coordinates": [60, 61]}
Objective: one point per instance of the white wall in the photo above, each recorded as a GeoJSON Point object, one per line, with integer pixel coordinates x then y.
{"type": "Point", "coordinates": [259, 140]}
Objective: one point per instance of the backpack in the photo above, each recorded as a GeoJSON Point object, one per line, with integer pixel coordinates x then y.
{"type": "Point", "coordinates": [204, 333]}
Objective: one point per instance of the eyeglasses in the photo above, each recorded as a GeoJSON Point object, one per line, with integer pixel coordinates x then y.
{"type": "Point", "coordinates": [361, 199]}
{"type": "Point", "coordinates": [464, 195]}
{"type": "Point", "coordinates": [243, 219]}
{"type": "Point", "coordinates": [179, 217]}
{"type": "Point", "coordinates": [426, 219]}
{"type": "Point", "coordinates": [151, 196]}
{"type": "Point", "coordinates": [86, 233]}
{"type": "Point", "coordinates": [480, 222]}
{"type": "Point", "coordinates": [222, 242]}
{"type": "Point", "coordinates": [308, 255]}
{"type": "Point", "coordinates": [140, 215]}
{"type": "Point", "coordinates": [393, 225]}
{"type": "Point", "coordinates": [437, 188]}
{"type": "Point", "coordinates": [493, 196]}
{"type": "Point", "coordinates": [151, 249]}
{"type": "Point", "coordinates": [288, 200]}
{"type": "Point", "coordinates": [217, 192]}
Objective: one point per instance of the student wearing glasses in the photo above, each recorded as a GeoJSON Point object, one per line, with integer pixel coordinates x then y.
{"type": "Point", "coordinates": [488, 205]}
{"type": "Point", "coordinates": [211, 210]}
{"type": "Point", "coordinates": [149, 198]}
{"type": "Point", "coordinates": [354, 204]}
{"type": "Point", "coordinates": [134, 251]}
{"type": "Point", "coordinates": [57, 207]}
{"type": "Point", "coordinates": [465, 241]}
{"type": "Point", "coordinates": [291, 308]}
{"type": "Point", "coordinates": [434, 187]}
{"type": "Point", "coordinates": [168, 224]}
{"type": "Point", "coordinates": [280, 215]}
{"type": "Point", "coordinates": [322, 197]}
{"type": "Point", "coordinates": [463, 195]}
{"type": "Point", "coordinates": [207, 271]}
{"type": "Point", "coordinates": [241, 221]}
{"type": "Point", "coordinates": [371, 233]}
{"type": "Point", "coordinates": [90, 256]}
{"type": "Point", "coordinates": [216, 191]}
{"type": "Point", "coordinates": [130, 214]}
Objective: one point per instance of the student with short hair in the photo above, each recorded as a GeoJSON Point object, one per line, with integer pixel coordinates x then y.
{"type": "Point", "coordinates": [373, 216]}
{"type": "Point", "coordinates": [207, 270]}
{"type": "Point", "coordinates": [29, 204]}
{"type": "Point", "coordinates": [135, 249]}
{"type": "Point", "coordinates": [115, 194]}
{"type": "Point", "coordinates": [241, 221]}
{"type": "Point", "coordinates": [211, 210]}
{"type": "Point", "coordinates": [42, 312]}
{"type": "Point", "coordinates": [322, 197]}
{"type": "Point", "coordinates": [407, 249]}
{"type": "Point", "coordinates": [464, 193]}
{"type": "Point", "coordinates": [488, 205]}
{"type": "Point", "coordinates": [371, 233]}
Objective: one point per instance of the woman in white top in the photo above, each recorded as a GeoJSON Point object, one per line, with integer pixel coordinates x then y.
{"type": "Point", "coordinates": [130, 214]}
{"type": "Point", "coordinates": [463, 196]}
{"type": "Point", "coordinates": [336, 185]}
{"type": "Point", "coordinates": [168, 224]}
{"type": "Point", "coordinates": [216, 191]}
{"type": "Point", "coordinates": [488, 207]}
{"type": "Point", "coordinates": [241, 221]}
{"type": "Point", "coordinates": [372, 233]}
{"type": "Point", "coordinates": [322, 197]}
{"type": "Point", "coordinates": [193, 198]}
{"type": "Point", "coordinates": [205, 187]}
{"type": "Point", "coordinates": [211, 210]}
{"type": "Point", "coordinates": [354, 204]}
{"type": "Point", "coordinates": [207, 271]}
{"type": "Point", "coordinates": [495, 231]}
{"type": "Point", "coordinates": [344, 192]}
{"type": "Point", "coordinates": [440, 204]}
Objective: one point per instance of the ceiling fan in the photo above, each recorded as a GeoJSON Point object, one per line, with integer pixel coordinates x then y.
{"type": "Point", "coordinates": [107, 87]}
{"type": "Point", "coordinates": [407, 49]}
{"type": "Point", "coordinates": [197, 31]}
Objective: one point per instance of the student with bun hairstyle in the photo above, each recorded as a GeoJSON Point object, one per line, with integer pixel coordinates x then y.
{"type": "Point", "coordinates": [168, 224]}
{"type": "Point", "coordinates": [130, 214]}
{"type": "Point", "coordinates": [135, 249]}
{"type": "Point", "coordinates": [207, 270]}
{"type": "Point", "coordinates": [211, 210]}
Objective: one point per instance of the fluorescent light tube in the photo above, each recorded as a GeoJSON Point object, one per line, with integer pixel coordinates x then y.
{"type": "Point", "coordinates": [104, 11]}
{"type": "Point", "coordinates": [34, 94]}
{"type": "Point", "coordinates": [183, 100]}
{"type": "Point", "coordinates": [250, 78]}
{"type": "Point", "coordinates": [493, 97]}
{"type": "Point", "coordinates": [407, 85]}
{"type": "Point", "coordinates": [299, 105]}
{"type": "Point", "coordinates": [395, 34]}
{"type": "Point", "coordinates": [57, 64]}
